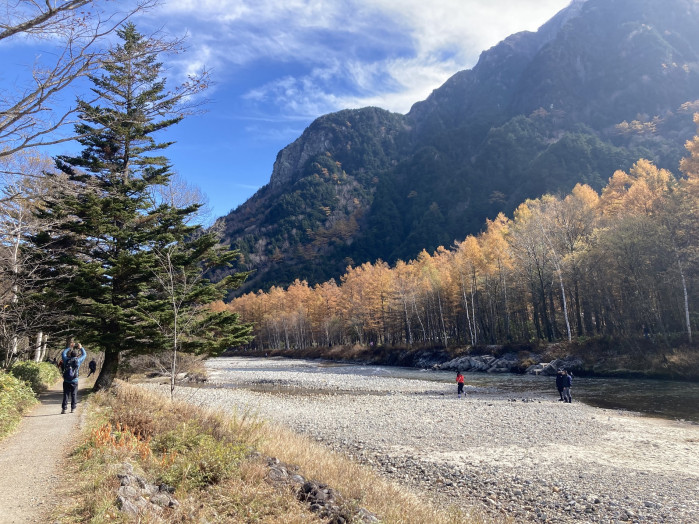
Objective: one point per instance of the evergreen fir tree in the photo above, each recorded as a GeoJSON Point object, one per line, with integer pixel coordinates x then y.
{"type": "Point", "coordinates": [104, 250]}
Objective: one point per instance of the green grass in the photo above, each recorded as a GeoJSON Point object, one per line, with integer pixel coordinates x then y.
{"type": "Point", "coordinates": [39, 375]}
{"type": "Point", "coordinates": [194, 458]}
{"type": "Point", "coordinates": [16, 398]}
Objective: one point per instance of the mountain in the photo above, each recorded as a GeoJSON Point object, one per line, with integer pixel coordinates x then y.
{"type": "Point", "coordinates": [602, 84]}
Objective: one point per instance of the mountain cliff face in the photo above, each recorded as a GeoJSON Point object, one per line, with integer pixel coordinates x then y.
{"type": "Point", "coordinates": [602, 84]}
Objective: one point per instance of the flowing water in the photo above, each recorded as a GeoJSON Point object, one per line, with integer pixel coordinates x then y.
{"type": "Point", "coordinates": [659, 398]}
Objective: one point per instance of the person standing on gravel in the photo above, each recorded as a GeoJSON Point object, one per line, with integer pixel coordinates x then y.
{"type": "Point", "coordinates": [71, 364]}
{"type": "Point", "coordinates": [560, 378]}
{"type": "Point", "coordinates": [567, 384]}
{"type": "Point", "coordinates": [459, 383]}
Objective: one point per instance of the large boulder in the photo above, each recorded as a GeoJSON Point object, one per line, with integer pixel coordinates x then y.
{"type": "Point", "coordinates": [552, 367]}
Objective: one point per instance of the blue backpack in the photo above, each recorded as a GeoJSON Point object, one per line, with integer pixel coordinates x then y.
{"type": "Point", "coordinates": [70, 370]}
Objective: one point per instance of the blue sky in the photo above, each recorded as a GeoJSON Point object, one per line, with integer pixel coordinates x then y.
{"type": "Point", "coordinates": [278, 64]}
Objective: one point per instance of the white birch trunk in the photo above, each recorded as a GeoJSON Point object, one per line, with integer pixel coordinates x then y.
{"type": "Point", "coordinates": [37, 347]}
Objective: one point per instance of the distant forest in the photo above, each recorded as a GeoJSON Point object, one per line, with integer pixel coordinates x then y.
{"type": "Point", "coordinates": [620, 263]}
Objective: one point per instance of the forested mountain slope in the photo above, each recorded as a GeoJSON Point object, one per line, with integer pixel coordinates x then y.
{"type": "Point", "coordinates": [602, 84]}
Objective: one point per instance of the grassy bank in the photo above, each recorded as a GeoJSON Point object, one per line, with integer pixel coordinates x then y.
{"type": "Point", "coordinates": [16, 398]}
{"type": "Point", "coordinates": [19, 389]}
{"type": "Point", "coordinates": [217, 465]}
{"type": "Point", "coordinates": [39, 375]}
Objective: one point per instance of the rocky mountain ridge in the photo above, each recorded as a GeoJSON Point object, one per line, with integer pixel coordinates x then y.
{"type": "Point", "coordinates": [602, 84]}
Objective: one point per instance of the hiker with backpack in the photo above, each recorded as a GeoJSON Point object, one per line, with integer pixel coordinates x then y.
{"type": "Point", "coordinates": [71, 364]}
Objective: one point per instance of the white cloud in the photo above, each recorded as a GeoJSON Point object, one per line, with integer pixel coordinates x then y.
{"type": "Point", "coordinates": [352, 53]}
{"type": "Point", "coordinates": [469, 26]}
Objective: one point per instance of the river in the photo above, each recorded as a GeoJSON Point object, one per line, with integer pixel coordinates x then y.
{"type": "Point", "coordinates": [658, 398]}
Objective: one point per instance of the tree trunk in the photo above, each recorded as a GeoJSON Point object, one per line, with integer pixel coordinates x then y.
{"type": "Point", "coordinates": [37, 348]}
{"type": "Point", "coordinates": [44, 346]}
{"type": "Point", "coordinates": [408, 331]}
{"type": "Point", "coordinates": [687, 317]}
{"type": "Point", "coordinates": [109, 370]}
{"type": "Point", "coordinates": [544, 310]}
{"type": "Point", "coordinates": [565, 305]}
{"type": "Point", "coordinates": [507, 306]}
{"type": "Point", "coordinates": [578, 311]}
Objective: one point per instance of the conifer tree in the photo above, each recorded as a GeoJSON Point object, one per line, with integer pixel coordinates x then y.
{"type": "Point", "coordinates": [104, 251]}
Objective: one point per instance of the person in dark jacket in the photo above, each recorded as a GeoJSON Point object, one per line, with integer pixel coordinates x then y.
{"type": "Point", "coordinates": [559, 384]}
{"type": "Point", "coordinates": [567, 384]}
{"type": "Point", "coordinates": [71, 361]}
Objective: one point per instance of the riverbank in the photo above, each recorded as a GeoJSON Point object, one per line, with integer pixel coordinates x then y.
{"type": "Point", "coordinates": [144, 458]}
{"type": "Point", "coordinates": [533, 459]}
{"type": "Point", "coordinates": [638, 358]}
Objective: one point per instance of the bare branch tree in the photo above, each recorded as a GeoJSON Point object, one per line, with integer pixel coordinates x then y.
{"type": "Point", "coordinates": [22, 315]}
{"type": "Point", "coordinates": [181, 194]}
{"type": "Point", "coordinates": [29, 115]}
{"type": "Point", "coordinates": [177, 286]}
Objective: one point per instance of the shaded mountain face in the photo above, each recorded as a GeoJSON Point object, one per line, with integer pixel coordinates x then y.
{"type": "Point", "coordinates": [602, 84]}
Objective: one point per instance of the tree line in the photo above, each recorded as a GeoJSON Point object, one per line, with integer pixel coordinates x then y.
{"type": "Point", "coordinates": [621, 263]}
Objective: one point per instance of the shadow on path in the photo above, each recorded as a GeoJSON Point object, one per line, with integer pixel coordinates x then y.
{"type": "Point", "coordinates": [31, 459]}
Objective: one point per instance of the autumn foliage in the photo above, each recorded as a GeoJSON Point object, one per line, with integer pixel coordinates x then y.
{"type": "Point", "coordinates": [620, 263]}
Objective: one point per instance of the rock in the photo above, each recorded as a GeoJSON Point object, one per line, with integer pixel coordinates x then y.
{"type": "Point", "coordinates": [128, 507]}
{"type": "Point", "coordinates": [161, 499]}
{"type": "Point", "coordinates": [126, 480]}
{"type": "Point", "coordinates": [278, 474]}
{"type": "Point", "coordinates": [535, 369]}
{"type": "Point", "coordinates": [297, 479]}
{"type": "Point", "coordinates": [366, 516]}
{"type": "Point", "coordinates": [128, 492]}
{"type": "Point", "coordinates": [125, 469]}
{"type": "Point", "coordinates": [138, 497]}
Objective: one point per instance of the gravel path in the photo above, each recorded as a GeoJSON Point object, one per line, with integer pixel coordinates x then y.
{"type": "Point", "coordinates": [31, 460]}
{"type": "Point", "coordinates": [534, 459]}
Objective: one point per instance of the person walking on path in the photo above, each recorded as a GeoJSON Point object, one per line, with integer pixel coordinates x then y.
{"type": "Point", "coordinates": [459, 383]}
{"type": "Point", "coordinates": [33, 462]}
{"type": "Point", "coordinates": [92, 366]}
{"type": "Point", "coordinates": [560, 378]}
{"type": "Point", "coordinates": [71, 364]}
{"type": "Point", "coordinates": [567, 384]}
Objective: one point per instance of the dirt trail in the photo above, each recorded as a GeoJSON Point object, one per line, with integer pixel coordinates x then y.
{"type": "Point", "coordinates": [31, 459]}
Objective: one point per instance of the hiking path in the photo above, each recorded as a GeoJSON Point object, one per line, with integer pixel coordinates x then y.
{"type": "Point", "coordinates": [32, 459]}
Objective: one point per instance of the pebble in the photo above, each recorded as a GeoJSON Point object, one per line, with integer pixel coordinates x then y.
{"type": "Point", "coordinates": [535, 461]}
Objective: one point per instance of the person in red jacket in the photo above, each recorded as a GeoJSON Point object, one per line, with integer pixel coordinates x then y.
{"type": "Point", "coordinates": [459, 383]}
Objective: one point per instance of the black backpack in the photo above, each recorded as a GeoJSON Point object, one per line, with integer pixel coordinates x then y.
{"type": "Point", "coordinates": [70, 370]}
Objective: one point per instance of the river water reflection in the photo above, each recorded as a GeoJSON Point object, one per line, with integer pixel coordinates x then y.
{"type": "Point", "coordinates": [659, 398]}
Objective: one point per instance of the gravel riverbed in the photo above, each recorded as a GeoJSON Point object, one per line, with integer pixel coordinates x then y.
{"type": "Point", "coordinates": [531, 459]}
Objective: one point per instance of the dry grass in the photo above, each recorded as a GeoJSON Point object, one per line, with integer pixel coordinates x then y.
{"type": "Point", "coordinates": [124, 424]}
{"type": "Point", "coordinates": [160, 365]}
{"type": "Point", "coordinates": [394, 503]}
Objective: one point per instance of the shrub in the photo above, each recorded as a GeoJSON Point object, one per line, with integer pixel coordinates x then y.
{"type": "Point", "coordinates": [16, 397]}
{"type": "Point", "coordinates": [39, 375]}
{"type": "Point", "coordinates": [195, 459]}
{"type": "Point", "coordinates": [119, 442]}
